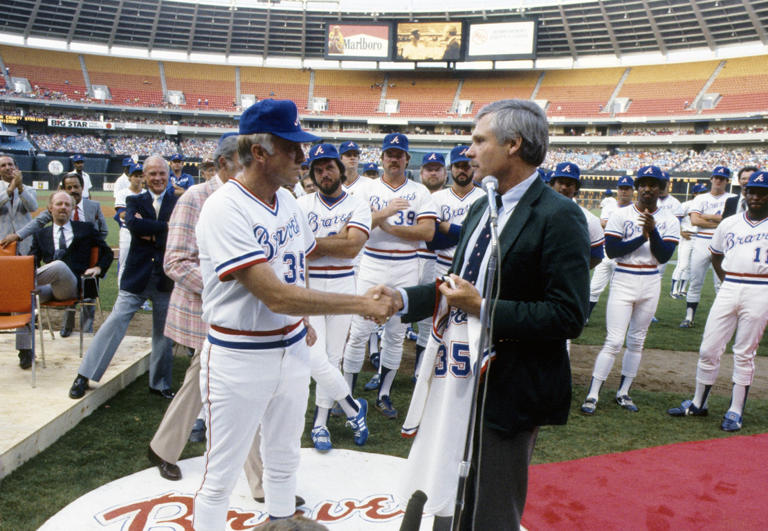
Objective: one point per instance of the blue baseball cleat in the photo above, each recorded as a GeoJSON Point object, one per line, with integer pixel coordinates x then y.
{"type": "Point", "coordinates": [358, 423]}
{"type": "Point", "coordinates": [373, 383]}
{"type": "Point", "coordinates": [687, 409]}
{"type": "Point", "coordinates": [384, 404]}
{"type": "Point", "coordinates": [321, 439]}
{"type": "Point", "coordinates": [731, 421]}
{"type": "Point", "coordinates": [627, 403]}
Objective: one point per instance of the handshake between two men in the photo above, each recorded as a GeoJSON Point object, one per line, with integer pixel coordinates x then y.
{"type": "Point", "coordinates": [459, 293]}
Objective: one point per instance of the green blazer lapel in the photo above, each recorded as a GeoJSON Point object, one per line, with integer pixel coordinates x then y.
{"type": "Point", "coordinates": [520, 216]}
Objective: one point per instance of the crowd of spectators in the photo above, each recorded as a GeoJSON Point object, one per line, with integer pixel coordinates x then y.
{"type": "Point", "coordinates": [199, 147]}
{"type": "Point", "coordinates": [585, 158]}
{"type": "Point", "coordinates": [734, 157]}
{"type": "Point", "coordinates": [630, 159]}
{"type": "Point", "coordinates": [143, 145]}
{"type": "Point", "coordinates": [70, 143]}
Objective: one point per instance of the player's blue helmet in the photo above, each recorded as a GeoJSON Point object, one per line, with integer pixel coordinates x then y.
{"type": "Point", "coordinates": [322, 151]}
{"type": "Point", "coordinates": [650, 172]}
{"type": "Point", "coordinates": [721, 172]}
{"type": "Point", "coordinates": [433, 157]}
{"type": "Point", "coordinates": [459, 154]}
{"type": "Point", "coordinates": [625, 180]}
{"type": "Point", "coordinates": [566, 170]}
{"type": "Point", "coordinates": [758, 179]}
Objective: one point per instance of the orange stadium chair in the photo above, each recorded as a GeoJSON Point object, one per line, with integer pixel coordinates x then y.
{"type": "Point", "coordinates": [89, 296]}
{"type": "Point", "coordinates": [17, 297]}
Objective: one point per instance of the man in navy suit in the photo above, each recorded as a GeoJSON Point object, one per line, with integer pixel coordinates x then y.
{"type": "Point", "coordinates": [65, 248]}
{"type": "Point", "coordinates": [146, 217]}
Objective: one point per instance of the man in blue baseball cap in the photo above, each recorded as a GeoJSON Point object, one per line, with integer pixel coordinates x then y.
{"type": "Point", "coordinates": [681, 274]}
{"type": "Point", "coordinates": [349, 153]}
{"type": "Point", "coordinates": [706, 214]}
{"type": "Point", "coordinates": [78, 162]}
{"type": "Point", "coordinates": [432, 171]}
{"type": "Point", "coordinates": [254, 241]}
{"type": "Point", "coordinates": [178, 180]}
{"type": "Point", "coordinates": [371, 170]}
{"type": "Point", "coordinates": [738, 257]}
{"type": "Point", "coordinates": [639, 238]}
{"type": "Point", "coordinates": [124, 181]}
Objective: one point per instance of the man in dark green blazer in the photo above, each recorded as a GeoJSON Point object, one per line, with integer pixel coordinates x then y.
{"type": "Point", "coordinates": [543, 300]}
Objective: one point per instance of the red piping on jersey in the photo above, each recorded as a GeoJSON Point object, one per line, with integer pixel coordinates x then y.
{"type": "Point", "coordinates": [331, 268]}
{"type": "Point", "coordinates": [389, 250]}
{"type": "Point", "coordinates": [747, 275]}
{"type": "Point", "coordinates": [279, 332]}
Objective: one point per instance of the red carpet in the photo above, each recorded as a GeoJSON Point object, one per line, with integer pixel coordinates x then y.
{"type": "Point", "coordinates": [716, 484]}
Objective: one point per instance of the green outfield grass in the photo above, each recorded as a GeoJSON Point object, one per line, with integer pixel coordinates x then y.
{"type": "Point", "coordinates": [112, 442]}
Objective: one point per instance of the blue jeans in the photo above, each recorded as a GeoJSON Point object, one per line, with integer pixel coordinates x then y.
{"type": "Point", "coordinates": [112, 331]}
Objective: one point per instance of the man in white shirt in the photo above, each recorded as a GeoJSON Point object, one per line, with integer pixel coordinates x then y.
{"type": "Point", "coordinates": [79, 162]}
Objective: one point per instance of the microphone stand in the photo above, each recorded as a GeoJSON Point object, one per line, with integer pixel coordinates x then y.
{"type": "Point", "coordinates": [485, 340]}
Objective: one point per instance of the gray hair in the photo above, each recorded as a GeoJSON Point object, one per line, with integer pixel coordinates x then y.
{"type": "Point", "coordinates": [245, 142]}
{"type": "Point", "coordinates": [156, 156]}
{"type": "Point", "coordinates": [511, 119]}
{"type": "Point", "coordinates": [57, 192]}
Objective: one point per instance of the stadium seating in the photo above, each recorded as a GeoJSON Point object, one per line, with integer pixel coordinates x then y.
{"type": "Point", "coordinates": [423, 94]}
{"type": "Point", "coordinates": [131, 81]}
{"type": "Point", "coordinates": [482, 88]}
{"type": "Point", "coordinates": [578, 93]}
{"type": "Point", "coordinates": [47, 70]}
{"type": "Point", "coordinates": [279, 83]}
{"type": "Point", "coordinates": [743, 85]}
{"type": "Point", "coordinates": [662, 90]}
{"type": "Point", "coordinates": [203, 83]}
{"type": "Point", "coordinates": [352, 93]}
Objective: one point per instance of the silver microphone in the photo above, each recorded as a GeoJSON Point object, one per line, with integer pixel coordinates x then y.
{"type": "Point", "coordinates": [490, 185]}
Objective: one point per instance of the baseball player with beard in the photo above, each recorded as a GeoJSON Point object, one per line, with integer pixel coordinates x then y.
{"type": "Point", "coordinates": [340, 223]}
{"type": "Point", "coordinates": [639, 238]}
{"type": "Point", "coordinates": [604, 270]}
{"type": "Point", "coordinates": [739, 249]}
{"type": "Point", "coordinates": [254, 366]}
{"type": "Point", "coordinates": [404, 218]}
{"type": "Point", "coordinates": [706, 213]}
{"type": "Point", "coordinates": [565, 180]}
{"type": "Point", "coordinates": [681, 274]}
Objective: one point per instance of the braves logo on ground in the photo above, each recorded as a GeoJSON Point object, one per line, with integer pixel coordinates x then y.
{"type": "Point", "coordinates": [174, 511]}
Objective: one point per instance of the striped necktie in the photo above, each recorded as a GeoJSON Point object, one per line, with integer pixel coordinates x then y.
{"type": "Point", "coordinates": [475, 258]}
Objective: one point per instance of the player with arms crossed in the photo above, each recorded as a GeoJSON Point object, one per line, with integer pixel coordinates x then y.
{"type": "Point", "coordinates": [740, 257]}
{"type": "Point", "coordinates": [253, 241]}
{"type": "Point", "coordinates": [403, 219]}
{"type": "Point", "coordinates": [341, 224]}
{"type": "Point", "coordinates": [639, 238]}
{"type": "Point", "coordinates": [706, 213]}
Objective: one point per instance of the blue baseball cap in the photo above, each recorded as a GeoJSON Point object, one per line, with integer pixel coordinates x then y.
{"type": "Point", "coordinates": [348, 146]}
{"type": "Point", "coordinates": [548, 176]}
{"type": "Point", "coordinates": [699, 188]}
{"type": "Point", "coordinates": [276, 117]}
{"type": "Point", "coordinates": [721, 172]}
{"type": "Point", "coordinates": [322, 151]}
{"type": "Point", "coordinates": [226, 135]}
{"type": "Point", "coordinates": [543, 174]}
{"type": "Point", "coordinates": [135, 167]}
{"type": "Point", "coordinates": [305, 164]}
{"type": "Point", "coordinates": [459, 154]}
{"type": "Point", "coordinates": [625, 180]}
{"type": "Point", "coordinates": [395, 141]}
{"type": "Point", "coordinates": [127, 161]}
{"type": "Point", "coordinates": [651, 172]}
{"type": "Point", "coordinates": [566, 170]}
{"type": "Point", "coordinates": [371, 166]}
{"type": "Point", "coordinates": [433, 157]}
{"type": "Point", "coordinates": [758, 179]}
{"type": "Point", "coordinates": [608, 192]}
{"type": "Point", "coordinates": [176, 157]}
{"type": "Point", "coordinates": [77, 158]}
{"type": "Point", "coordinates": [665, 175]}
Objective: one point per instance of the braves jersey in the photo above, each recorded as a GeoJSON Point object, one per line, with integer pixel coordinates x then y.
{"type": "Point", "coordinates": [684, 214]}
{"type": "Point", "coordinates": [120, 197]}
{"type": "Point", "coordinates": [359, 188]}
{"type": "Point", "coordinates": [595, 229]}
{"type": "Point", "coordinates": [609, 203]}
{"type": "Point", "coordinates": [669, 203]}
{"type": "Point", "coordinates": [625, 223]}
{"type": "Point", "coordinates": [326, 217]}
{"type": "Point", "coordinates": [383, 245]}
{"type": "Point", "coordinates": [609, 209]}
{"type": "Point", "coordinates": [185, 181]}
{"type": "Point", "coordinates": [708, 204]}
{"type": "Point", "coordinates": [452, 208]}
{"type": "Point", "coordinates": [236, 230]}
{"type": "Point", "coordinates": [744, 244]}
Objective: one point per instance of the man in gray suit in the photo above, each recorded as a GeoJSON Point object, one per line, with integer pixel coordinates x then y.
{"type": "Point", "coordinates": [17, 203]}
{"type": "Point", "coordinates": [85, 210]}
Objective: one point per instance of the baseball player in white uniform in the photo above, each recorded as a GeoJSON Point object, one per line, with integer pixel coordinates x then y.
{"type": "Point", "coordinates": [565, 180]}
{"type": "Point", "coordinates": [604, 270]}
{"type": "Point", "coordinates": [371, 170]}
{"type": "Point", "coordinates": [135, 186]}
{"type": "Point", "coordinates": [78, 161]}
{"type": "Point", "coordinates": [681, 274]}
{"type": "Point", "coordinates": [403, 219]}
{"type": "Point", "coordinates": [639, 238]}
{"type": "Point", "coordinates": [739, 256]}
{"type": "Point", "coordinates": [706, 213]}
{"type": "Point", "coordinates": [340, 223]}
{"type": "Point", "coordinates": [253, 241]}
{"type": "Point", "coordinates": [669, 203]}
{"type": "Point", "coordinates": [608, 201]}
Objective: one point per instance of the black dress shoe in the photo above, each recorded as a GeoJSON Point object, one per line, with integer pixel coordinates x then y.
{"type": "Point", "coordinates": [299, 500]}
{"type": "Point", "coordinates": [165, 393]}
{"type": "Point", "coordinates": [167, 470]}
{"type": "Point", "coordinates": [25, 358]}
{"type": "Point", "coordinates": [78, 387]}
